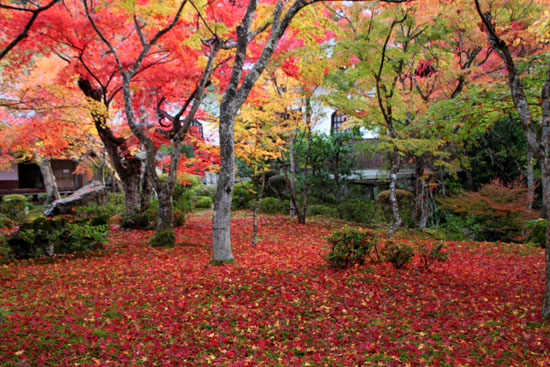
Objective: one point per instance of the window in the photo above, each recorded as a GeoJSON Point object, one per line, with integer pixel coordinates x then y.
{"type": "Point", "coordinates": [337, 120]}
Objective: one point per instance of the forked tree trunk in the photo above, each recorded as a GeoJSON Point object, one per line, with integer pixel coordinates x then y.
{"type": "Point", "coordinates": [165, 219]}
{"type": "Point", "coordinates": [221, 221]}
{"type": "Point", "coordinates": [50, 184]}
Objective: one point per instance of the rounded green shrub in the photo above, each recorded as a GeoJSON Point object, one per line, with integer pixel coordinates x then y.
{"type": "Point", "coordinates": [166, 238]}
{"type": "Point", "coordinates": [324, 210]}
{"type": "Point", "coordinates": [350, 246]}
{"type": "Point", "coordinates": [270, 205]}
{"type": "Point", "coordinates": [398, 254]}
{"type": "Point", "coordinates": [242, 196]}
{"type": "Point", "coordinates": [203, 202]}
{"type": "Point", "coordinates": [359, 211]}
{"type": "Point", "coordinates": [14, 207]}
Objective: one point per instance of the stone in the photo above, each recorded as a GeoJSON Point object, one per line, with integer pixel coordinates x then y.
{"type": "Point", "coordinates": [93, 192]}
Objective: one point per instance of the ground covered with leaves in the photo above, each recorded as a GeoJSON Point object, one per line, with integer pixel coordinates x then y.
{"type": "Point", "coordinates": [279, 305]}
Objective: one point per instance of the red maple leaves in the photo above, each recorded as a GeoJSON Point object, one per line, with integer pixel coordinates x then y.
{"type": "Point", "coordinates": [281, 304]}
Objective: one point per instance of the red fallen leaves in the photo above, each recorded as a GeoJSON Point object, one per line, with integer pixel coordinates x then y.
{"type": "Point", "coordinates": [280, 305]}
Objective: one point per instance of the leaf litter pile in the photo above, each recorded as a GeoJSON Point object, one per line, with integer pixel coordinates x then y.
{"type": "Point", "coordinates": [279, 305]}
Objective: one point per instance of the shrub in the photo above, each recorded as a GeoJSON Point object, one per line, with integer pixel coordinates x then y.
{"type": "Point", "coordinates": [165, 238]}
{"type": "Point", "coordinates": [140, 220]}
{"type": "Point", "coordinates": [242, 196]}
{"type": "Point", "coordinates": [147, 219]}
{"type": "Point", "coordinates": [46, 237]}
{"type": "Point", "coordinates": [114, 205]}
{"type": "Point", "coordinates": [204, 202]}
{"type": "Point", "coordinates": [6, 222]}
{"type": "Point", "coordinates": [350, 246]}
{"type": "Point", "coordinates": [324, 210]}
{"type": "Point", "coordinates": [537, 232]}
{"type": "Point", "coordinates": [270, 205]}
{"type": "Point", "coordinates": [398, 254]}
{"type": "Point", "coordinates": [14, 207]}
{"type": "Point", "coordinates": [209, 191]}
{"type": "Point", "coordinates": [360, 211]}
{"type": "Point", "coordinates": [6, 253]}
{"type": "Point", "coordinates": [496, 211]}
{"type": "Point", "coordinates": [429, 254]}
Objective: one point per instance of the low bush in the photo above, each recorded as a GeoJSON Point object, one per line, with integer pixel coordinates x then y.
{"type": "Point", "coordinates": [270, 205]}
{"type": "Point", "coordinates": [324, 210]}
{"type": "Point", "coordinates": [166, 238]}
{"type": "Point", "coordinates": [203, 202]}
{"type": "Point", "coordinates": [147, 219]}
{"type": "Point", "coordinates": [47, 237]}
{"type": "Point", "coordinates": [430, 254]}
{"type": "Point", "coordinates": [359, 211]}
{"type": "Point", "coordinates": [14, 207]}
{"type": "Point", "coordinates": [6, 253]}
{"type": "Point", "coordinates": [537, 232]}
{"type": "Point", "coordinates": [398, 254]}
{"type": "Point", "coordinates": [495, 212]}
{"type": "Point", "coordinates": [350, 246]}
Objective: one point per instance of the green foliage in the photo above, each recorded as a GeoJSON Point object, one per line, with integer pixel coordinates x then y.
{"type": "Point", "coordinates": [537, 232]}
{"type": "Point", "coordinates": [6, 222]}
{"type": "Point", "coordinates": [405, 202]}
{"type": "Point", "coordinates": [496, 211]}
{"type": "Point", "coordinates": [429, 254]}
{"type": "Point", "coordinates": [14, 207]}
{"type": "Point", "coordinates": [46, 237]}
{"type": "Point", "coordinates": [350, 246]}
{"type": "Point", "coordinates": [209, 191]}
{"type": "Point", "coordinates": [147, 219]}
{"type": "Point", "coordinates": [323, 210]}
{"type": "Point", "coordinates": [242, 195]}
{"type": "Point", "coordinates": [204, 202]}
{"type": "Point", "coordinates": [360, 211]}
{"type": "Point", "coordinates": [398, 254]}
{"type": "Point", "coordinates": [165, 238]}
{"type": "Point", "coordinates": [270, 205]}
{"type": "Point", "coordinates": [6, 253]}
{"type": "Point", "coordinates": [114, 205]}
{"type": "Point", "coordinates": [140, 220]}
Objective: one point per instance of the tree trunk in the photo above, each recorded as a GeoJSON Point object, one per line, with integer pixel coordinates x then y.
{"type": "Point", "coordinates": [530, 179]}
{"type": "Point", "coordinates": [292, 182]}
{"type": "Point", "coordinates": [50, 184]}
{"type": "Point", "coordinates": [394, 169]}
{"type": "Point", "coordinates": [130, 184]}
{"type": "Point", "coordinates": [165, 219]}
{"type": "Point", "coordinates": [146, 189]}
{"type": "Point", "coordinates": [221, 219]}
{"type": "Point", "coordinates": [256, 206]}
{"type": "Point", "coordinates": [545, 173]}
{"type": "Point", "coordinates": [421, 194]}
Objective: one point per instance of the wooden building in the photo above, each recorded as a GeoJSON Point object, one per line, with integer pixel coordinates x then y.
{"type": "Point", "coordinates": [26, 178]}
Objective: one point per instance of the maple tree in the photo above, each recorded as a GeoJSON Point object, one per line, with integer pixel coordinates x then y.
{"type": "Point", "coordinates": [16, 20]}
{"type": "Point", "coordinates": [516, 38]}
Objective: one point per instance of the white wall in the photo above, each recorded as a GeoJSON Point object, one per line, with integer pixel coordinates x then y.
{"type": "Point", "coordinates": [9, 174]}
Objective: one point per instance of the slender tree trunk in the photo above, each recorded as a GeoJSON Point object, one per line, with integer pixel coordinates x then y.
{"type": "Point", "coordinates": [530, 179]}
{"type": "Point", "coordinates": [50, 184]}
{"type": "Point", "coordinates": [292, 182]}
{"type": "Point", "coordinates": [421, 197]}
{"type": "Point", "coordinates": [256, 207]}
{"type": "Point", "coordinates": [394, 169]}
{"type": "Point", "coordinates": [221, 219]}
{"type": "Point", "coordinates": [545, 173]}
